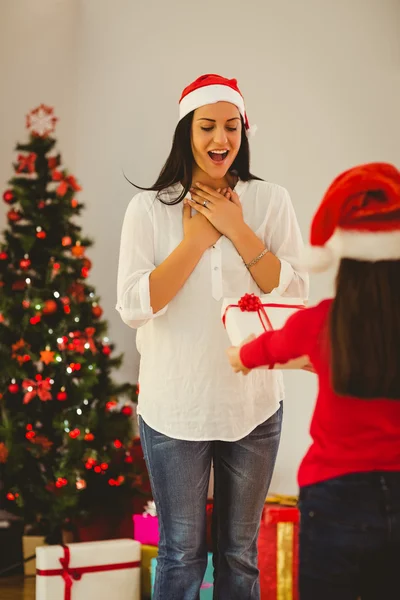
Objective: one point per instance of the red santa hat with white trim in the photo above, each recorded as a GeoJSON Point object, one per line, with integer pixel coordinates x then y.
{"type": "Point", "coordinates": [358, 218]}
{"type": "Point", "coordinates": [209, 89]}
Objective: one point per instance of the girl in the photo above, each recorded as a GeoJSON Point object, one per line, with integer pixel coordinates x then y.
{"type": "Point", "coordinates": [234, 234]}
{"type": "Point", "coordinates": [350, 477]}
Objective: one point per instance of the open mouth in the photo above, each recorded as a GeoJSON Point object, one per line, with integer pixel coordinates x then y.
{"type": "Point", "coordinates": [218, 156]}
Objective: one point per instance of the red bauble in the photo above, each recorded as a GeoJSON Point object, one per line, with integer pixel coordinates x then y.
{"type": "Point", "coordinates": [41, 235]}
{"type": "Point", "coordinates": [3, 255]}
{"type": "Point", "coordinates": [84, 272]}
{"type": "Point", "coordinates": [50, 307]}
{"type": "Point", "coordinates": [106, 350]}
{"type": "Point", "coordinates": [13, 215]}
{"type": "Point", "coordinates": [25, 263]}
{"type": "Point", "coordinates": [9, 197]}
{"type": "Point", "coordinates": [66, 241]}
{"type": "Point", "coordinates": [74, 202]}
{"type": "Point", "coordinates": [74, 433]}
{"type": "Point", "coordinates": [13, 388]}
{"type": "Point", "coordinates": [97, 311]}
{"type": "Point", "coordinates": [61, 396]}
{"type": "Point", "coordinates": [86, 263]}
{"type": "Point", "coordinates": [127, 410]}
{"type": "Point", "coordinates": [35, 320]}
{"type": "Point", "coordinates": [41, 204]}
{"type": "Point", "coordinates": [26, 303]}
{"type": "Point", "coordinates": [89, 437]}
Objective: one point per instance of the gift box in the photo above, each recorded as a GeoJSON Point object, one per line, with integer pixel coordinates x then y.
{"type": "Point", "coordinates": [29, 545]}
{"type": "Point", "coordinates": [148, 553]}
{"type": "Point", "coordinates": [97, 570]}
{"type": "Point", "coordinates": [253, 314]}
{"type": "Point", "coordinates": [207, 587]}
{"type": "Point", "coordinates": [278, 552]}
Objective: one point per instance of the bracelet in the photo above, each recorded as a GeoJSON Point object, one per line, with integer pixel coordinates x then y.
{"type": "Point", "coordinates": [256, 259]}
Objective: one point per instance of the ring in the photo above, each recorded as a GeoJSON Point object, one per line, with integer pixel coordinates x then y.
{"type": "Point", "coordinates": [205, 203]}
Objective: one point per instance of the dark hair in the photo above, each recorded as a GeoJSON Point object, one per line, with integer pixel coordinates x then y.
{"type": "Point", "coordinates": [365, 330]}
{"type": "Point", "coordinates": [179, 164]}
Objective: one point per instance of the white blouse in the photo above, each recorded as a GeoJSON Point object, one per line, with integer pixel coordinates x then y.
{"type": "Point", "coordinates": [187, 388]}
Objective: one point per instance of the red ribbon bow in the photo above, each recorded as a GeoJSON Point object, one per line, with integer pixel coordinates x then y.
{"type": "Point", "coordinates": [67, 181]}
{"type": "Point", "coordinates": [252, 303]}
{"type": "Point", "coordinates": [40, 388]}
{"type": "Point", "coordinates": [70, 575]}
{"type": "Point", "coordinates": [81, 338]}
{"type": "Point", "coordinates": [26, 163]}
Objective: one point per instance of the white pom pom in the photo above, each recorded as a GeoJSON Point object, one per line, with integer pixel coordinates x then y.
{"type": "Point", "coordinates": [317, 258]}
{"type": "Point", "coordinates": [251, 132]}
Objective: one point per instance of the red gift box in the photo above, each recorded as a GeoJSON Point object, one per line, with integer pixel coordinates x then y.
{"type": "Point", "coordinates": [278, 552]}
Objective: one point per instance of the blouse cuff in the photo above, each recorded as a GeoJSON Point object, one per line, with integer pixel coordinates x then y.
{"type": "Point", "coordinates": [285, 278]}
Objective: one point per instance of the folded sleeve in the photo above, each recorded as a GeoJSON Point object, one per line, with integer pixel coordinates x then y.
{"type": "Point", "coordinates": [283, 238]}
{"type": "Point", "coordinates": [136, 262]}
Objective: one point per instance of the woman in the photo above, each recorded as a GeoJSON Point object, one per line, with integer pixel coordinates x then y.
{"type": "Point", "coordinates": [233, 234]}
{"type": "Point", "coordinates": [350, 477]}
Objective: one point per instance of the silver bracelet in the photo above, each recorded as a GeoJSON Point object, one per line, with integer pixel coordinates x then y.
{"type": "Point", "coordinates": [256, 259]}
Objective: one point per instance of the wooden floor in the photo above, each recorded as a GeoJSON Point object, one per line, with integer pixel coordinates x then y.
{"type": "Point", "coordinates": [17, 588]}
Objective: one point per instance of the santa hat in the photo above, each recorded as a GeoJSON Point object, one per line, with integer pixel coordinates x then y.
{"type": "Point", "coordinates": [209, 89]}
{"type": "Point", "coordinates": [359, 218]}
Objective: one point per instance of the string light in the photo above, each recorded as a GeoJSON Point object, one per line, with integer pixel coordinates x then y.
{"type": "Point", "coordinates": [28, 281]}
{"type": "Point", "coordinates": [86, 402]}
{"type": "Point", "coordinates": [79, 411]}
{"type": "Point", "coordinates": [51, 331]}
{"type": "Point", "coordinates": [76, 319]}
{"type": "Point", "coordinates": [56, 295]}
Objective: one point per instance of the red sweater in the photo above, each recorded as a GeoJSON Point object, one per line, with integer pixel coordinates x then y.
{"type": "Point", "coordinates": [349, 434]}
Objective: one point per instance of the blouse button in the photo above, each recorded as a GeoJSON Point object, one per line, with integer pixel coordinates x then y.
{"type": "Point", "coordinates": [216, 269]}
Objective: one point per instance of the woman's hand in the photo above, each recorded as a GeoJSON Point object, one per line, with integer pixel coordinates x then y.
{"type": "Point", "coordinates": [197, 229]}
{"type": "Point", "coordinates": [222, 208]}
{"type": "Point", "coordinates": [234, 357]}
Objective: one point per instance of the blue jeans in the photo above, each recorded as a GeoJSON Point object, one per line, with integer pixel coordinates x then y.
{"type": "Point", "coordinates": [350, 538]}
{"type": "Point", "coordinates": [179, 473]}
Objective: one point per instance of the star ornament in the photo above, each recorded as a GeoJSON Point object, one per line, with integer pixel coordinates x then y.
{"type": "Point", "coordinates": [47, 357]}
{"type": "Point", "coordinates": [41, 121]}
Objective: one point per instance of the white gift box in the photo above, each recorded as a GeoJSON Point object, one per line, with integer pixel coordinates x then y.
{"type": "Point", "coordinates": [271, 315]}
{"type": "Point", "coordinates": [92, 570]}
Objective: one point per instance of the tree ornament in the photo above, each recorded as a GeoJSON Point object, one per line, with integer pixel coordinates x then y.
{"type": "Point", "coordinates": [13, 388]}
{"type": "Point", "coordinates": [66, 241]}
{"type": "Point", "coordinates": [78, 250]}
{"type": "Point", "coordinates": [41, 121]}
{"type": "Point", "coordinates": [14, 216]}
{"type": "Point", "coordinates": [46, 356]}
{"type": "Point", "coordinates": [97, 311]}
{"type": "Point", "coordinates": [50, 307]}
{"type": "Point", "coordinates": [9, 197]}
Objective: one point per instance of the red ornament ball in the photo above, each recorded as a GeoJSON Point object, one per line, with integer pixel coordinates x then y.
{"type": "Point", "coordinates": [13, 215]}
{"type": "Point", "coordinates": [106, 350]}
{"type": "Point", "coordinates": [25, 263]}
{"type": "Point", "coordinates": [41, 235]}
{"type": "Point", "coordinates": [9, 197]}
{"type": "Point", "coordinates": [62, 396]}
{"type": "Point", "coordinates": [50, 307]}
{"type": "Point", "coordinates": [66, 241]}
{"type": "Point", "coordinates": [97, 311]}
{"type": "Point", "coordinates": [127, 410]}
{"type": "Point", "coordinates": [13, 388]}
{"type": "Point", "coordinates": [3, 255]}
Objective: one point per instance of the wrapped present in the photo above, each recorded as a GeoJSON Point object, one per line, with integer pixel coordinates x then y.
{"type": "Point", "coordinates": [207, 587]}
{"type": "Point", "coordinates": [148, 553]}
{"type": "Point", "coordinates": [89, 570]}
{"type": "Point", "coordinates": [145, 526]}
{"type": "Point", "coordinates": [29, 545]}
{"type": "Point", "coordinates": [252, 314]}
{"type": "Point", "coordinates": [278, 552]}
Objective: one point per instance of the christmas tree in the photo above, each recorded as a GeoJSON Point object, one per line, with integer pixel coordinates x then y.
{"type": "Point", "coordinates": [65, 426]}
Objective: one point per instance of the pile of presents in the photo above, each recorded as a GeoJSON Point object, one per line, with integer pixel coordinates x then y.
{"type": "Point", "coordinates": [100, 569]}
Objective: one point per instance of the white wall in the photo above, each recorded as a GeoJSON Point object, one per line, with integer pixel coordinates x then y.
{"type": "Point", "coordinates": [321, 80]}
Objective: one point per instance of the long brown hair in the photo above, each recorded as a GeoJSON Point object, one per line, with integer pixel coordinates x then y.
{"type": "Point", "coordinates": [365, 330]}
{"type": "Point", "coordinates": [179, 164]}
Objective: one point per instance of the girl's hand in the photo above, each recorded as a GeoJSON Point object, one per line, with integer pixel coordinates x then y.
{"type": "Point", "coordinates": [221, 207]}
{"type": "Point", "coordinates": [234, 357]}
